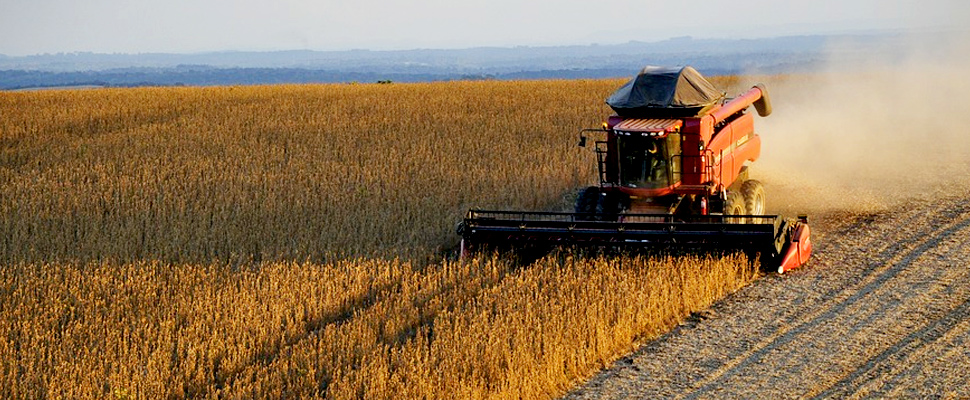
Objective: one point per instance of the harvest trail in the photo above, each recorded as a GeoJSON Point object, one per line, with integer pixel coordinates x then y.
{"type": "Point", "coordinates": [850, 327]}
{"type": "Point", "coordinates": [843, 298]}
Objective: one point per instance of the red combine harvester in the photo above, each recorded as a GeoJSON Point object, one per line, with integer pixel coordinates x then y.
{"type": "Point", "coordinates": [672, 172]}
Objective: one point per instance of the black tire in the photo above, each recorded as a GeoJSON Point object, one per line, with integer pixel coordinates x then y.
{"type": "Point", "coordinates": [754, 197]}
{"type": "Point", "coordinates": [611, 205]}
{"type": "Point", "coordinates": [734, 205]}
{"type": "Point", "coordinates": [586, 203]}
{"type": "Point", "coordinates": [607, 208]}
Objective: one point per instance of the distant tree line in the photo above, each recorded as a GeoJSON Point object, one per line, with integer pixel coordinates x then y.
{"type": "Point", "coordinates": [18, 79]}
{"type": "Point", "coordinates": [203, 75]}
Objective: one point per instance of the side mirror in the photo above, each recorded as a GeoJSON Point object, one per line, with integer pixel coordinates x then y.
{"type": "Point", "coordinates": [582, 141]}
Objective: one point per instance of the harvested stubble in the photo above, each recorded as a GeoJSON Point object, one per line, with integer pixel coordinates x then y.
{"type": "Point", "coordinates": [185, 242]}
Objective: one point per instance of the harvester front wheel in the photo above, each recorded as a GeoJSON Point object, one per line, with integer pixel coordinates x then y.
{"type": "Point", "coordinates": [609, 206]}
{"type": "Point", "coordinates": [586, 203]}
{"type": "Point", "coordinates": [734, 205]}
{"type": "Point", "coordinates": [754, 197]}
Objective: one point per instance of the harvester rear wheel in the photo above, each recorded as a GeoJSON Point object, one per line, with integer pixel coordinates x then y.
{"type": "Point", "coordinates": [754, 197]}
{"type": "Point", "coordinates": [734, 205]}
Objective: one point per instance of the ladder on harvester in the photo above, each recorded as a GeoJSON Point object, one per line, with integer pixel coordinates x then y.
{"type": "Point", "coordinates": [601, 153]}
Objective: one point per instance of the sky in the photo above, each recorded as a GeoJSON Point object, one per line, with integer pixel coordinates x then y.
{"type": "Point", "coordinates": [190, 26]}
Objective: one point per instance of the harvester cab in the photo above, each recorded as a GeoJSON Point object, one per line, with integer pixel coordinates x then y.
{"type": "Point", "coordinates": [672, 172]}
{"type": "Point", "coordinates": [646, 161]}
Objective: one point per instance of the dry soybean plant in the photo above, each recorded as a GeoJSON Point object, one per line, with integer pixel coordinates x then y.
{"type": "Point", "coordinates": [279, 173]}
{"type": "Point", "coordinates": [354, 329]}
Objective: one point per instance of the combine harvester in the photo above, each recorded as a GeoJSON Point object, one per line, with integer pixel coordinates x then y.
{"type": "Point", "coordinates": [672, 174]}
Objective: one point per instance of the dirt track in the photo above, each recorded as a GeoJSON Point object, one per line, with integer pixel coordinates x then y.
{"type": "Point", "coordinates": [882, 310]}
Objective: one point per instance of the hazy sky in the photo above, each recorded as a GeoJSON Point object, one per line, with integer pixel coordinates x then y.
{"type": "Point", "coordinates": [134, 26]}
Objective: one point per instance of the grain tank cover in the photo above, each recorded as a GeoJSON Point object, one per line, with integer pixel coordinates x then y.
{"type": "Point", "coordinates": [658, 92]}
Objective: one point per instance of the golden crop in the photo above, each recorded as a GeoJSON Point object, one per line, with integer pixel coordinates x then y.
{"type": "Point", "coordinates": [288, 241]}
{"type": "Point", "coordinates": [279, 173]}
{"type": "Point", "coordinates": [354, 329]}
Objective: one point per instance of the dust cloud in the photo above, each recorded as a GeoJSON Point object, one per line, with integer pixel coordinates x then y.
{"type": "Point", "coordinates": [875, 129]}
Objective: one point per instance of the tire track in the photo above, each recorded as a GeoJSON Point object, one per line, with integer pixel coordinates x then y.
{"type": "Point", "coordinates": [882, 363]}
{"type": "Point", "coordinates": [786, 336]}
{"type": "Point", "coordinates": [910, 382]}
{"type": "Point", "coordinates": [955, 351]}
{"type": "Point", "coordinates": [943, 212]}
{"type": "Point", "coordinates": [901, 366]}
